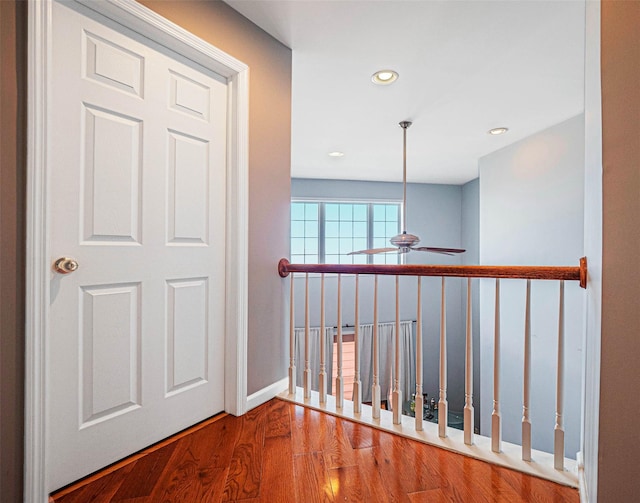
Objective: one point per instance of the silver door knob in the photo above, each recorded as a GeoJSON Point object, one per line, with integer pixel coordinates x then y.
{"type": "Point", "coordinates": [65, 265]}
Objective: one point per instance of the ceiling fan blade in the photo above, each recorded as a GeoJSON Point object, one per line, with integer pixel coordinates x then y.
{"type": "Point", "coordinates": [444, 251]}
{"type": "Point", "coordinates": [373, 251]}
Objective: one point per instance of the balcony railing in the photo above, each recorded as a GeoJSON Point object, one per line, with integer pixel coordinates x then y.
{"type": "Point", "coordinates": [493, 449]}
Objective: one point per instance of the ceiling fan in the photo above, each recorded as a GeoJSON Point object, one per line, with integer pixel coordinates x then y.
{"type": "Point", "coordinates": [404, 242]}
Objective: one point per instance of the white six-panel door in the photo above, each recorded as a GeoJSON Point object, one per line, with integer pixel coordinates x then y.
{"type": "Point", "coordinates": [137, 198]}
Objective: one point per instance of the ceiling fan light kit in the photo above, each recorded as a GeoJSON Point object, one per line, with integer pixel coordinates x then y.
{"type": "Point", "coordinates": [405, 242]}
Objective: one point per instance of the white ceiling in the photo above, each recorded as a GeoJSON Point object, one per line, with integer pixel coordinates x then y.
{"type": "Point", "coordinates": [465, 67]}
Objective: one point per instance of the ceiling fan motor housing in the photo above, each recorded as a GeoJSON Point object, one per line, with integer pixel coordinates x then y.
{"type": "Point", "coordinates": [405, 240]}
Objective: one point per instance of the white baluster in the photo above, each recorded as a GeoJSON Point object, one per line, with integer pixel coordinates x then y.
{"type": "Point", "coordinates": [292, 342]}
{"type": "Point", "coordinates": [307, 366]}
{"type": "Point", "coordinates": [526, 421]}
{"type": "Point", "coordinates": [357, 394]}
{"type": "Point", "coordinates": [558, 432]}
{"type": "Point", "coordinates": [339, 379]}
{"type": "Point", "coordinates": [396, 395]}
{"type": "Point", "coordinates": [375, 387]}
{"type": "Point", "coordinates": [468, 392]}
{"type": "Point", "coordinates": [496, 426]}
{"type": "Point", "coordinates": [442, 401]}
{"type": "Point", "coordinates": [322, 377]}
{"type": "Point", "coordinates": [419, 399]}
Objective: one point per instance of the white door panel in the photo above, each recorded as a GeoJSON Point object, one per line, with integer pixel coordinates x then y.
{"type": "Point", "coordinates": [138, 199]}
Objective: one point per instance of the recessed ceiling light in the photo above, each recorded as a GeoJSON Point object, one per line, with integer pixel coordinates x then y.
{"type": "Point", "coordinates": [336, 154]}
{"type": "Point", "coordinates": [498, 131]}
{"type": "Point", "coordinates": [384, 77]}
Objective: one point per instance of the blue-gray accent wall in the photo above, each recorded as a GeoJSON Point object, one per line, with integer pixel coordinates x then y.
{"type": "Point", "coordinates": [435, 214]}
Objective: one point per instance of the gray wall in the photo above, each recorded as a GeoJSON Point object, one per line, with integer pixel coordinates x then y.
{"type": "Point", "coordinates": [619, 422]}
{"type": "Point", "coordinates": [471, 243]}
{"type": "Point", "coordinates": [531, 212]}
{"type": "Point", "coordinates": [12, 245]}
{"type": "Point", "coordinates": [269, 169]}
{"type": "Point", "coordinates": [435, 215]}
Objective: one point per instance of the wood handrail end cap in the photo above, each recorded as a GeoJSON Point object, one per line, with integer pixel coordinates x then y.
{"type": "Point", "coordinates": [583, 272]}
{"type": "Point", "coordinates": [282, 268]}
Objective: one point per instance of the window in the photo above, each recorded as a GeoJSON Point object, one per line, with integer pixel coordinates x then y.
{"type": "Point", "coordinates": [326, 231]}
{"type": "Point", "coordinates": [305, 233]}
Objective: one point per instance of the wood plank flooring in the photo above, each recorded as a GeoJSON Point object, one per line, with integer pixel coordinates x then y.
{"type": "Point", "coordinates": [281, 452]}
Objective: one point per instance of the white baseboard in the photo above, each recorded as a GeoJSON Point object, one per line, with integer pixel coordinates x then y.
{"type": "Point", "coordinates": [266, 394]}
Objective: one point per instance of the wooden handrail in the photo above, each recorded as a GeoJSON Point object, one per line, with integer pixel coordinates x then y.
{"type": "Point", "coordinates": [578, 273]}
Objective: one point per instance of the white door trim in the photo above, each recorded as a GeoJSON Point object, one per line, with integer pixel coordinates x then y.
{"type": "Point", "coordinates": [146, 22]}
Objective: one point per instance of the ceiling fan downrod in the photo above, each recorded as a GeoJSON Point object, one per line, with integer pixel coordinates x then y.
{"type": "Point", "coordinates": [404, 242]}
{"type": "Point", "coordinates": [404, 125]}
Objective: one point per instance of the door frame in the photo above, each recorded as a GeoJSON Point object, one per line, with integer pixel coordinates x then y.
{"type": "Point", "coordinates": [38, 268]}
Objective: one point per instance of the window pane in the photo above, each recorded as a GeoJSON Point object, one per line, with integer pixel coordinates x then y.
{"type": "Point", "coordinates": [331, 230]}
{"type": "Point", "coordinates": [311, 229]}
{"type": "Point", "coordinates": [346, 245]}
{"type": "Point", "coordinates": [381, 243]}
{"type": "Point", "coordinates": [392, 229]}
{"type": "Point", "coordinates": [379, 230]}
{"type": "Point", "coordinates": [360, 212]}
{"type": "Point", "coordinates": [346, 212]}
{"type": "Point", "coordinates": [359, 259]}
{"type": "Point", "coordinates": [297, 229]}
{"type": "Point", "coordinates": [311, 259]}
{"type": "Point", "coordinates": [360, 229]}
{"type": "Point", "coordinates": [297, 246]}
{"type": "Point", "coordinates": [346, 229]}
{"type": "Point", "coordinates": [360, 244]}
{"type": "Point", "coordinates": [311, 246]}
{"type": "Point", "coordinates": [346, 259]}
{"type": "Point", "coordinates": [297, 211]}
{"type": "Point", "coordinates": [393, 258]}
{"type": "Point", "coordinates": [379, 259]}
{"type": "Point", "coordinates": [331, 246]}
{"type": "Point", "coordinates": [297, 259]}
{"type": "Point", "coordinates": [379, 213]}
{"type": "Point", "coordinates": [331, 211]}
{"type": "Point", "coordinates": [311, 211]}
{"type": "Point", "coordinates": [392, 213]}
{"type": "Point", "coordinates": [331, 259]}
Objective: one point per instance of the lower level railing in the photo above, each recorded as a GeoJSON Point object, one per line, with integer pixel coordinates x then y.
{"type": "Point", "coordinates": [555, 467]}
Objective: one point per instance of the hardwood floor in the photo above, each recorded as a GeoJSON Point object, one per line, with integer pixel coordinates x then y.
{"type": "Point", "coordinates": [281, 452]}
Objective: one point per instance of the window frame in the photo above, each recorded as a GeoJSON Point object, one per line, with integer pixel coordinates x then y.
{"type": "Point", "coordinates": [322, 201]}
